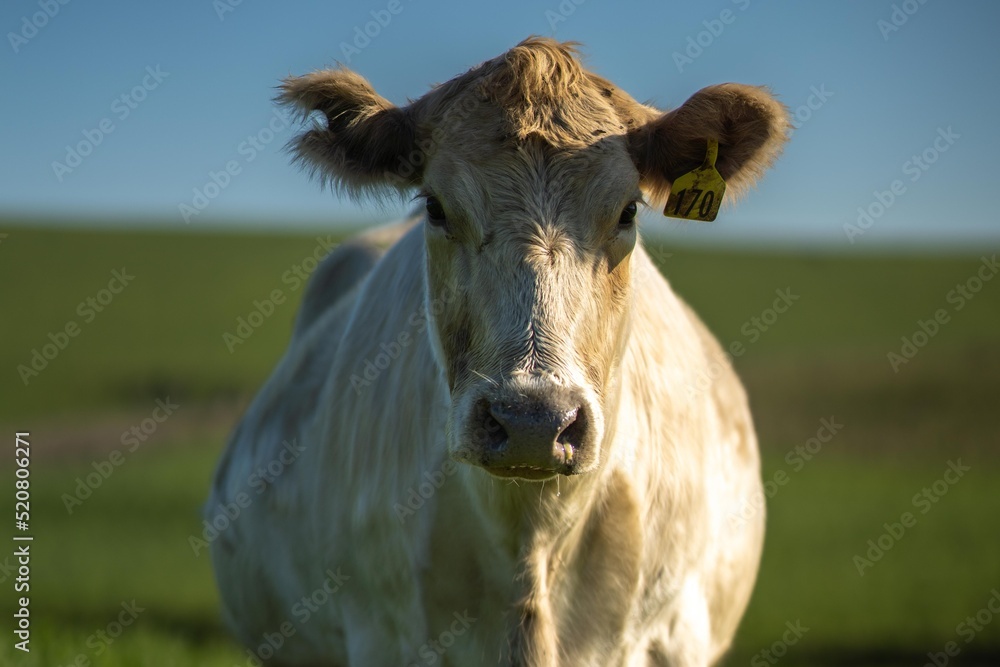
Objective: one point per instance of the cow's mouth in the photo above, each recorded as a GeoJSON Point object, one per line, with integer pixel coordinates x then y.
{"type": "Point", "coordinates": [533, 473]}
{"type": "Point", "coordinates": [529, 473]}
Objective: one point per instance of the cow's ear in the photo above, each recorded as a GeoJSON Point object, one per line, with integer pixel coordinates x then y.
{"type": "Point", "coordinates": [364, 144]}
{"type": "Point", "coordinates": [749, 124]}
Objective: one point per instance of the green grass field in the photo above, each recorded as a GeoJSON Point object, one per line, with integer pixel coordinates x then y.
{"type": "Point", "coordinates": [825, 358]}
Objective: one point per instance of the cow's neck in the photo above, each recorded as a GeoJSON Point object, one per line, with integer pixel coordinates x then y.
{"type": "Point", "coordinates": [577, 543]}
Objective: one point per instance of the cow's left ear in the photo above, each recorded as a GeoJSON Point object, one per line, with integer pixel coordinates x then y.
{"type": "Point", "coordinates": [749, 124]}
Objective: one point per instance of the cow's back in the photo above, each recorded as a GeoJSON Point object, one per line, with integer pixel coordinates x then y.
{"type": "Point", "coordinates": [344, 268]}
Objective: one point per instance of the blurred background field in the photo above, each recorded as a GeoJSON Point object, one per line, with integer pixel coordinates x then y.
{"type": "Point", "coordinates": [825, 358]}
{"type": "Point", "coordinates": [121, 117]}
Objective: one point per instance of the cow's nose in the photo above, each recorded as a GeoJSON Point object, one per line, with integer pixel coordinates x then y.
{"type": "Point", "coordinates": [531, 437]}
{"type": "Point", "coordinates": [533, 425]}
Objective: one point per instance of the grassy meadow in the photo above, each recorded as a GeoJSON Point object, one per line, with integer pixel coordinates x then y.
{"type": "Point", "coordinates": [900, 433]}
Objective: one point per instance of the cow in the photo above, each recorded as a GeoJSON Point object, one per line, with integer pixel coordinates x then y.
{"type": "Point", "coordinates": [498, 437]}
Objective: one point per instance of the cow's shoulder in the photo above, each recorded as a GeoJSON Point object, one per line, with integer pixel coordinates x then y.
{"type": "Point", "coordinates": [344, 268]}
{"type": "Point", "coordinates": [282, 419]}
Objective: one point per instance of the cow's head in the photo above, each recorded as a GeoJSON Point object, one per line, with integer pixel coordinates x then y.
{"type": "Point", "coordinates": [532, 170]}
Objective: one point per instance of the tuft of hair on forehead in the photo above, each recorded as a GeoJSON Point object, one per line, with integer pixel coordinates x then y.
{"type": "Point", "coordinates": [532, 77]}
{"type": "Point", "coordinates": [541, 89]}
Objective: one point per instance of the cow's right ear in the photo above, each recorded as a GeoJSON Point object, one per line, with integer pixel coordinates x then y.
{"type": "Point", "coordinates": [365, 145]}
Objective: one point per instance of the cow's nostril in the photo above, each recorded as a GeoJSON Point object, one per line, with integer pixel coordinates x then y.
{"type": "Point", "coordinates": [573, 433]}
{"type": "Point", "coordinates": [490, 434]}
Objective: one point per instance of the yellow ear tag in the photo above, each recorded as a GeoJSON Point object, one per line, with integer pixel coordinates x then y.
{"type": "Point", "coordinates": [697, 194]}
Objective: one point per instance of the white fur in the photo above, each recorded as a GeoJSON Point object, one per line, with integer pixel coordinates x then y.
{"type": "Point", "coordinates": [679, 461]}
{"type": "Point", "coordinates": [531, 286]}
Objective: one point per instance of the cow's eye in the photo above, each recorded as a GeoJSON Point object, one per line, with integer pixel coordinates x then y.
{"type": "Point", "coordinates": [435, 212]}
{"type": "Point", "coordinates": [628, 214]}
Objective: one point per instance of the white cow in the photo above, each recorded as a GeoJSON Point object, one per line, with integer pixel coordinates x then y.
{"type": "Point", "coordinates": [503, 440]}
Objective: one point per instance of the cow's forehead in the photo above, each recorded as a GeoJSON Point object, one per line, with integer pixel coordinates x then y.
{"type": "Point", "coordinates": [532, 178]}
{"type": "Point", "coordinates": [530, 135]}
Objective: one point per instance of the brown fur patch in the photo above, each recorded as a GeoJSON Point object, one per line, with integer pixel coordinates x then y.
{"type": "Point", "coordinates": [534, 642]}
{"type": "Point", "coordinates": [366, 139]}
{"type": "Point", "coordinates": [539, 89]}
{"type": "Point", "coordinates": [749, 124]}
{"type": "Point", "coordinates": [542, 90]}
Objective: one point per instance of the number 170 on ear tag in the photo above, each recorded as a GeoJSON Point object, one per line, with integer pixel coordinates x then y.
{"type": "Point", "coordinates": [698, 194]}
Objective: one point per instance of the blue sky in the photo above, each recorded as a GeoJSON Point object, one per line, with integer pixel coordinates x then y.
{"type": "Point", "coordinates": [198, 78]}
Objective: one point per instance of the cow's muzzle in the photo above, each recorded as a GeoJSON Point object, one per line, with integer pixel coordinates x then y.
{"type": "Point", "coordinates": [533, 434]}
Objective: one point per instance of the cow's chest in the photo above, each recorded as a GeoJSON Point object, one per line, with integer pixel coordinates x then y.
{"type": "Point", "coordinates": [484, 598]}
